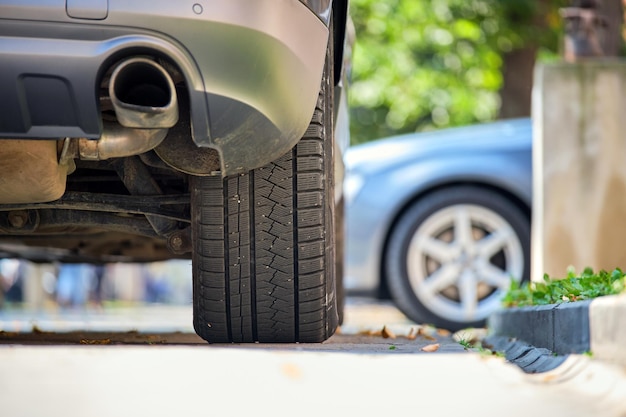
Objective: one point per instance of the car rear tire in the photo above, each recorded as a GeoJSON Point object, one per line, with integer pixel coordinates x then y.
{"type": "Point", "coordinates": [452, 256]}
{"type": "Point", "coordinates": [340, 242]}
{"type": "Point", "coordinates": [264, 244]}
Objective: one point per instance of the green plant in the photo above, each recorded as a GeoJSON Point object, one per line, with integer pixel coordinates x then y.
{"type": "Point", "coordinates": [573, 287]}
{"type": "Point", "coordinates": [483, 351]}
{"type": "Point", "coordinates": [479, 348]}
{"type": "Point", "coordinates": [499, 354]}
{"type": "Point", "coordinates": [466, 344]}
{"type": "Point", "coordinates": [420, 65]}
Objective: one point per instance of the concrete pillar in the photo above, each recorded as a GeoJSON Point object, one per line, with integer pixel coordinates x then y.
{"type": "Point", "coordinates": [579, 167]}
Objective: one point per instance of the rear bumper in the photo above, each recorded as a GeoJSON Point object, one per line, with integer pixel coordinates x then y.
{"type": "Point", "coordinates": [253, 69]}
{"type": "Point", "coordinates": [261, 77]}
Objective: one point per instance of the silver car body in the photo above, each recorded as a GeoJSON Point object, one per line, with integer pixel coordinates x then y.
{"type": "Point", "coordinates": [245, 75]}
{"type": "Point", "coordinates": [251, 66]}
{"type": "Point", "coordinates": [386, 176]}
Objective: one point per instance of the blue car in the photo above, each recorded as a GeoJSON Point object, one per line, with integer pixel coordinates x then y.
{"type": "Point", "coordinates": [440, 221]}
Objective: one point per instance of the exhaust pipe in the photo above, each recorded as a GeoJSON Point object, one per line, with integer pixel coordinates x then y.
{"type": "Point", "coordinates": [144, 100]}
{"type": "Point", "coordinates": [119, 141]}
{"type": "Point", "coordinates": [143, 95]}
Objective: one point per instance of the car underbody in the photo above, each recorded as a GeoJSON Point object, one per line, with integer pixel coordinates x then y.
{"type": "Point", "coordinates": [111, 199]}
{"type": "Point", "coordinates": [152, 130]}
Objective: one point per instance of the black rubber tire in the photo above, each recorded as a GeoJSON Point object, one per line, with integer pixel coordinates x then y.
{"type": "Point", "coordinates": [340, 242]}
{"type": "Point", "coordinates": [397, 251]}
{"type": "Point", "coordinates": [264, 244]}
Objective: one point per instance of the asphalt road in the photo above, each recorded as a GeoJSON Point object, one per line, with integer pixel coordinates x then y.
{"type": "Point", "coordinates": [146, 362]}
{"type": "Point", "coordinates": [371, 326]}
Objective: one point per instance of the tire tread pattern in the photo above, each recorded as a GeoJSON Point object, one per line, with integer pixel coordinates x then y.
{"type": "Point", "coordinates": [263, 261]}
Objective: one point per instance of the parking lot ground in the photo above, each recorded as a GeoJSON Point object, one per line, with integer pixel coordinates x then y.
{"type": "Point", "coordinates": [370, 326]}
{"type": "Point", "coordinates": [357, 372]}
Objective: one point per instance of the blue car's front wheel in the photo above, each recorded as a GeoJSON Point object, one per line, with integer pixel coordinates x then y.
{"type": "Point", "coordinates": [452, 255]}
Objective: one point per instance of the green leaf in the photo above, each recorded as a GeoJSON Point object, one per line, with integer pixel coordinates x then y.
{"type": "Point", "coordinates": [408, 51]}
{"type": "Point", "coordinates": [573, 287]}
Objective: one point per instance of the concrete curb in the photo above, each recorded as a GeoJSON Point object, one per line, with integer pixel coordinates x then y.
{"type": "Point", "coordinates": [560, 328]}
{"type": "Point", "coordinates": [595, 326]}
{"type": "Point", "coordinates": [528, 357]}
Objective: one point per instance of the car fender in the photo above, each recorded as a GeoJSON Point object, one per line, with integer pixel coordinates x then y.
{"type": "Point", "coordinates": [386, 194]}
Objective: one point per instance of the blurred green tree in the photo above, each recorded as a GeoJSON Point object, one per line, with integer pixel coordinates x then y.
{"type": "Point", "coordinates": [426, 64]}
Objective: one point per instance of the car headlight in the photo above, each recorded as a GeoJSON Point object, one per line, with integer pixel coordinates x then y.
{"type": "Point", "coordinates": [352, 185]}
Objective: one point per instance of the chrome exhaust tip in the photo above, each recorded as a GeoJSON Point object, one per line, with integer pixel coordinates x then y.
{"type": "Point", "coordinates": [143, 95]}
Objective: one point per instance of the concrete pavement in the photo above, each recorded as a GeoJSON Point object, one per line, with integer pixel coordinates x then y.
{"type": "Point", "coordinates": [202, 380]}
{"type": "Point", "coordinates": [355, 373]}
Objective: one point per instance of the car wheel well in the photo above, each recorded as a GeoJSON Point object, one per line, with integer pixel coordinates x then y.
{"type": "Point", "coordinates": [383, 288]}
{"type": "Point", "coordinates": [340, 28]}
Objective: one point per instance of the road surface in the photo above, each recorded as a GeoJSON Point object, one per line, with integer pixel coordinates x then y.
{"type": "Point", "coordinates": [146, 362]}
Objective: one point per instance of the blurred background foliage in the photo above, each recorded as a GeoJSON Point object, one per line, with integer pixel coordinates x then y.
{"type": "Point", "coordinates": [427, 64]}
